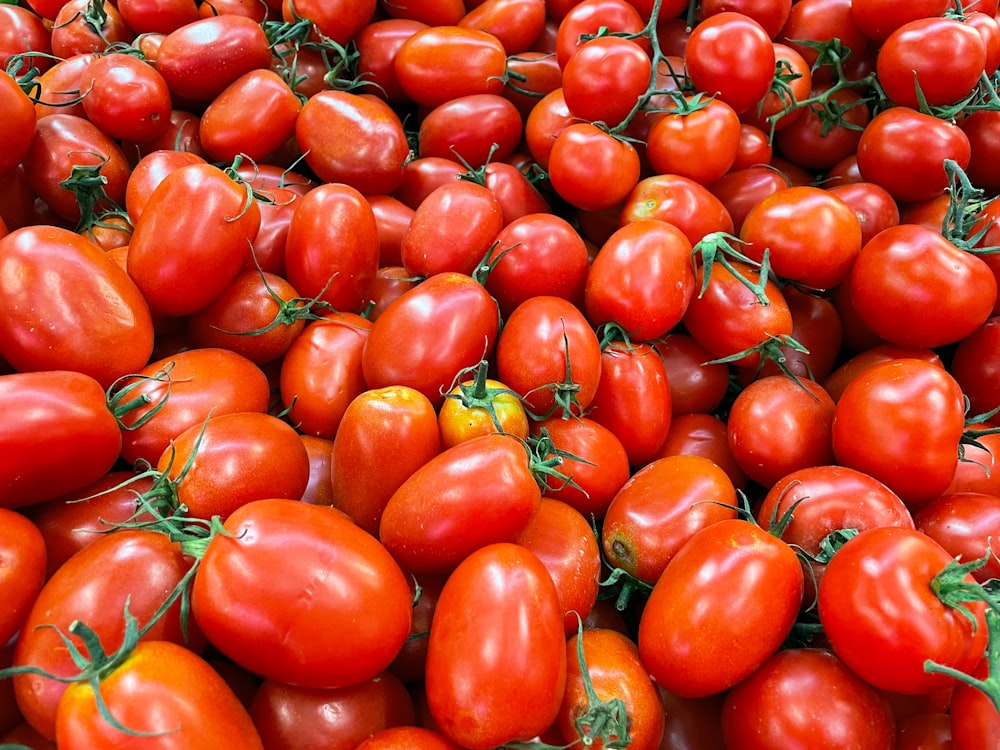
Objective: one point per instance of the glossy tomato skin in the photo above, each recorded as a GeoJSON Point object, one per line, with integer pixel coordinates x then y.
{"type": "Point", "coordinates": [162, 688]}
{"type": "Point", "coordinates": [496, 658]}
{"type": "Point", "coordinates": [139, 566]}
{"type": "Point", "coordinates": [142, 116]}
{"type": "Point", "coordinates": [758, 713]}
{"type": "Point", "coordinates": [883, 618]}
{"type": "Point", "coordinates": [386, 434]}
{"type": "Point", "coordinates": [680, 201]}
{"type": "Point", "coordinates": [450, 322]}
{"type": "Point", "coordinates": [312, 643]}
{"type": "Point", "coordinates": [963, 523]}
{"type": "Point", "coordinates": [477, 128]}
{"type": "Point", "coordinates": [900, 422]}
{"type": "Point", "coordinates": [377, 44]}
{"type": "Point", "coordinates": [694, 649]}
{"type": "Point", "coordinates": [975, 721]}
{"type": "Point", "coordinates": [591, 169]}
{"type": "Point", "coordinates": [476, 493]}
{"type": "Point", "coordinates": [22, 569]}
{"type": "Point", "coordinates": [414, 738]}
{"type": "Point", "coordinates": [675, 138]}
{"type": "Point", "coordinates": [705, 435]}
{"type": "Point", "coordinates": [19, 123]}
{"type": "Point", "coordinates": [106, 333]}
{"type": "Point", "coordinates": [80, 437]}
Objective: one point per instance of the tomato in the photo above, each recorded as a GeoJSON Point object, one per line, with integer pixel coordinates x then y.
{"type": "Point", "coordinates": [912, 57]}
{"type": "Point", "coordinates": [761, 712]}
{"type": "Point", "coordinates": [23, 32]}
{"type": "Point", "coordinates": [478, 492]}
{"type": "Point", "coordinates": [975, 721]}
{"type": "Point", "coordinates": [377, 44]}
{"type": "Point", "coordinates": [816, 325]}
{"type": "Point", "coordinates": [147, 174]}
{"type": "Point", "coordinates": [393, 421]}
{"type": "Point", "coordinates": [451, 230]}
{"type": "Point", "coordinates": [106, 333]}
{"type": "Point", "coordinates": [680, 201]}
{"type": "Point", "coordinates": [697, 636]}
{"type": "Point", "coordinates": [137, 566]}
{"type": "Point", "coordinates": [76, 33]}
{"type": "Point", "coordinates": [975, 365]}
{"type": "Point", "coordinates": [414, 738]}
{"type": "Point", "coordinates": [903, 150]}
{"type": "Point", "coordinates": [253, 116]}
{"type": "Point", "coordinates": [422, 175]}
{"type": "Point", "coordinates": [145, 17]}
{"type": "Point", "coordinates": [982, 127]}
{"type": "Point", "coordinates": [811, 141]}
{"type": "Point", "coordinates": [475, 128]}
{"type": "Point", "coordinates": [692, 723]}
{"type": "Point", "coordinates": [143, 115]}
{"type": "Point", "coordinates": [531, 75]}
{"type": "Point", "coordinates": [964, 524]}
{"type": "Point", "coordinates": [411, 660]}
{"type": "Point", "coordinates": [588, 17]}
{"type": "Point", "coordinates": [480, 406]}
{"type": "Point", "coordinates": [873, 205]}
{"type": "Point", "coordinates": [390, 283]}
{"type": "Point", "coordinates": [321, 373]}
{"type": "Point", "coordinates": [200, 59]}
{"type": "Point", "coordinates": [659, 508]}
{"type": "Point", "coordinates": [18, 127]}
{"type": "Point", "coordinates": [22, 571]}
{"type": "Point", "coordinates": [312, 642]}
{"type": "Point", "coordinates": [514, 191]}
{"type": "Point", "coordinates": [516, 23]}
{"type": "Point", "coordinates": [62, 142]}
{"type": "Point", "coordinates": [592, 169]}
{"type": "Point", "coordinates": [615, 672]}
{"type": "Point", "coordinates": [547, 119]}
{"type": "Point", "coordinates": [440, 63]}
{"type": "Point", "coordinates": [926, 731]}
{"type": "Point", "coordinates": [352, 139]}
{"type": "Point", "coordinates": [171, 394]}
{"type": "Point", "coordinates": [287, 716]}
{"type": "Point", "coordinates": [496, 658]}
{"type": "Point", "coordinates": [162, 688]}
{"type": "Point", "coordinates": [824, 500]}
{"type": "Point", "coordinates": [604, 78]}
{"type": "Point", "coordinates": [595, 461]}
{"type": "Point", "coordinates": [933, 293]}
{"type": "Point", "coordinates": [883, 617]}
{"type": "Point", "coordinates": [878, 19]}
{"type": "Point", "coordinates": [538, 254]}
{"type": "Point", "coordinates": [975, 472]}
{"type": "Point", "coordinates": [332, 246]}
{"type": "Point", "coordinates": [58, 87]}
{"type": "Point", "coordinates": [548, 353]}
{"type": "Point", "coordinates": [813, 236]}
{"type": "Point", "coordinates": [565, 542]}
{"type": "Point", "coordinates": [711, 130]}
{"type": "Point", "coordinates": [182, 260]}
{"type": "Point", "coordinates": [706, 436]}
{"type": "Point", "coordinates": [392, 217]}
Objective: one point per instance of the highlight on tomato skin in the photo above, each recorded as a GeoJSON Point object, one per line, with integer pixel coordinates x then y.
{"type": "Point", "coordinates": [499, 373]}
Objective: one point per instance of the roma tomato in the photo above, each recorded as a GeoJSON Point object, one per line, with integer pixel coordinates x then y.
{"type": "Point", "coordinates": [249, 602]}
{"type": "Point", "coordinates": [141, 116]}
{"type": "Point", "coordinates": [548, 353]}
{"type": "Point", "coordinates": [450, 322]}
{"type": "Point", "coordinates": [59, 435]}
{"type": "Point", "coordinates": [704, 435]}
{"type": "Point", "coordinates": [161, 688]}
{"type": "Point", "coordinates": [386, 434]}
{"type": "Point", "coordinates": [516, 23]}
{"type": "Point", "coordinates": [696, 386]}
{"type": "Point", "coordinates": [680, 201]}
{"type": "Point", "coordinates": [377, 44]}
{"type": "Point", "coordinates": [883, 618]}
{"type": "Point", "coordinates": [477, 129]}
{"type": "Point", "coordinates": [18, 127]}
{"type": "Point", "coordinates": [181, 260]}
{"type": "Point", "coordinates": [107, 332]}
{"type": "Point", "coordinates": [476, 493]}
{"type": "Point", "coordinates": [22, 569]}
{"type": "Point", "coordinates": [698, 636]}
{"type": "Point", "coordinates": [588, 17]}
{"type": "Point", "coordinates": [496, 658]}
{"type": "Point", "coordinates": [338, 21]}
{"type": "Point", "coordinates": [440, 63]}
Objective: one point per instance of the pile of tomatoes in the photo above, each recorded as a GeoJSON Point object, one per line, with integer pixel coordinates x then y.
{"type": "Point", "coordinates": [422, 374]}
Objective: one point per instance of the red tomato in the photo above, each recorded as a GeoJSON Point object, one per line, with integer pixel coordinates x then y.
{"type": "Point", "coordinates": [475, 128]}
{"type": "Point", "coordinates": [677, 200]}
{"type": "Point", "coordinates": [975, 472]}
{"type": "Point", "coordinates": [450, 322]}
{"type": "Point", "coordinates": [180, 259]}
{"type": "Point", "coordinates": [975, 721]}
{"type": "Point", "coordinates": [695, 385]}
{"type": "Point", "coordinates": [413, 738]}
{"type": "Point", "coordinates": [338, 21]}
{"type": "Point", "coordinates": [659, 508]}
{"type": "Point", "coordinates": [642, 279]}
{"type": "Point", "coordinates": [496, 658]}
{"type": "Point", "coordinates": [514, 191]}
{"type": "Point", "coordinates": [882, 615]}
{"type": "Point", "coordinates": [18, 128]}
{"type": "Point", "coordinates": [171, 394]}
{"type": "Point", "coordinates": [589, 17]}
{"type": "Point", "coordinates": [872, 204]}
{"type": "Point", "coordinates": [288, 717]}
{"type": "Point", "coordinates": [23, 32]}
{"type": "Point", "coordinates": [878, 19]}
{"type": "Point", "coordinates": [143, 115]}
{"type": "Point", "coordinates": [548, 353]}
{"type": "Point", "coordinates": [332, 247]}
{"type": "Point", "coordinates": [964, 524]}
{"type": "Point", "coordinates": [65, 441]}
{"type": "Point", "coordinates": [441, 63]}
{"type": "Point", "coordinates": [478, 492]}
{"type": "Point", "coordinates": [563, 539]}
{"type": "Point", "coordinates": [310, 642]}
{"type": "Point", "coordinates": [604, 79]}
{"type": "Point", "coordinates": [352, 139]}
{"type": "Point", "coordinates": [614, 671]}
{"type": "Point", "coordinates": [976, 366]}
{"type": "Point", "coordinates": [147, 174]}
{"type": "Point", "coordinates": [914, 288]}
{"type": "Point", "coordinates": [698, 636]}
{"type": "Point", "coordinates": [704, 435]}
{"type": "Point", "coordinates": [760, 712]}
{"type": "Point", "coordinates": [851, 368]}
{"type": "Point", "coordinates": [809, 141]}
{"type": "Point", "coordinates": [699, 143]}
{"type": "Point", "coordinates": [516, 23]}
{"type": "Point", "coordinates": [592, 169]}
{"type": "Point", "coordinates": [394, 421]}
{"type": "Point", "coordinates": [816, 325]}
{"type": "Point", "coordinates": [321, 373]}
{"type": "Point", "coordinates": [547, 119]}
{"type": "Point", "coordinates": [145, 17]}
{"type": "Point", "coordinates": [22, 569]}
{"type": "Point", "coordinates": [75, 32]}
{"type": "Point", "coordinates": [134, 566]}
{"type": "Point", "coordinates": [105, 333]}
{"type": "Point", "coordinates": [377, 44]}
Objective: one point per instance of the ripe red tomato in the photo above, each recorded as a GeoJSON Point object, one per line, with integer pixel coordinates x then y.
{"type": "Point", "coordinates": [963, 523]}
{"type": "Point", "coordinates": [496, 655]}
{"type": "Point", "coordinates": [695, 385]}
{"type": "Point", "coordinates": [604, 78]}
{"type": "Point", "coordinates": [143, 115]}
{"type": "Point", "coordinates": [592, 169]}
{"type": "Point", "coordinates": [878, 19]}
{"type": "Point", "coordinates": [975, 365]}
{"type": "Point", "coordinates": [589, 17]}
{"type": "Point", "coordinates": [74, 32]}
{"type": "Point", "coordinates": [704, 435]}
{"type": "Point", "coordinates": [700, 144]}
{"type": "Point", "coordinates": [22, 569]}
{"type": "Point", "coordinates": [310, 642]}
{"type": "Point", "coordinates": [698, 636]}
{"type": "Point", "coordinates": [440, 63]}
{"type": "Point", "coordinates": [516, 23]}
{"type": "Point", "coordinates": [476, 128]}
{"type": "Point", "coordinates": [677, 200]}
{"type": "Point", "coordinates": [18, 127]}
{"type": "Point", "coordinates": [414, 738]}
{"type": "Point", "coordinates": [884, 619]}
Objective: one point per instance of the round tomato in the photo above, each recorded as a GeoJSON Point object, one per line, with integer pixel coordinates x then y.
{"type": "Point", "coordinates": [22, 569]}
{"type": "Point", "coordinates": [592, 169]}
{"type": "Point", "coordinates": [965, 524]}
{"type": "Point", "coordinates": [143, 115]}
{"type": "Point", "coordinates": [699, 143]}
{"type": "Point", "coordinates": [680, 201]}
{"type": "Point", "coordinates": [604, 79]}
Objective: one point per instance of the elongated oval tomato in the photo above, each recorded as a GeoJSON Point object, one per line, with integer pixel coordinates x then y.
{"type": "Point", "coordinates": [496, 655]}
{"type": "Point", "coordinates": [723, 606]}
{"type": "Point", "coordinates": [473, 494]}
{"type": "Point", "coordinates": [298, 623]}
{"type": "Point", "coordinates": [106, 331]}
{"type": "Point", "coordinates": [57, 436]}
{"type": "Point", "coordinates": [162, 688]}
{"type": "Point", "coordinates": [22, 569]}
{"type": "Point", "coordinates": [139, 566]}
{"type": "Point", "coordinates": [181, 259]}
